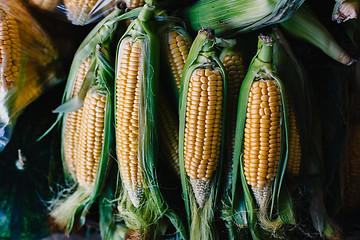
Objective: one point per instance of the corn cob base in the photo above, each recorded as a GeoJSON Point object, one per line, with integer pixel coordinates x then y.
{"type": "Point", "coordinates": [263, 198]}
{"type": "Point", "coordinates": [201, 190]}
{"type": "Point", "coordinates": [262, 195]}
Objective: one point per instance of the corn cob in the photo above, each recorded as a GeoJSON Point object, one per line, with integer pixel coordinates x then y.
{"type": "Point", "coordinates": [262, 135]}
{"type": "Point", "coordinates": [294, 159]}
{"type": "Point", "coordinates": [127, 95]}
{"type": "Point", "coordinates": [201, 119]}
{"type": "Point", "coordinates": [11, 49]}
{"type": "Point", "coordinates": [72, 122]}
{"type": "Point", "coordinates": [90, 87]}
{"type": "Point", "coordinates": [178, 51]}
{"type": "Point", "coordinates": [91, 138]}
{"type": "Point", "coordinates": [92, 150]}
{"type": "Point", "coordinates": [203, 129]}
{"type": "Point", "coordinates": [262, 140]}
{"type": "Point", "coordinates": [88, 155]}
{"type": "Point", "coordinates": [127, 113]}
{"type": "Point", "coordinates": [233, 63]}
{"type": "Point", "coordinates": [48, 5]}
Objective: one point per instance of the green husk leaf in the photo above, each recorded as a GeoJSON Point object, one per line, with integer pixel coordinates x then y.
{"type": "Point", "coordinates": [260, 65]}
{"type": "Point", "coordinates": [147, 218]}
{"type": "Point", "coordinates": [231, 17]}
{"type": "Point", "coordinates": [294, 78]}
{"type": "Point", "coordinates": [111, 227]}
{"type": "Point", "coordinates": [77, 102]}
{"type": "Point", "coordinates": [306, 26]}
{"type": "Point", "coordinates": [200, 218]}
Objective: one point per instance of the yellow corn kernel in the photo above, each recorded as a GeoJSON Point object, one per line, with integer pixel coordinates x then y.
{"type": "Point", "coordinates": [294, 157]}
{"type": "Point", "coordinates": [10, 44]}
{"type": "Point", "coordinates": [73, 122]}
{"type": "Point", "coordinates": [352, 170]}
{"type": "Point", "coordinates": [127, 117]}
{"type": "Point", "coordinates": [178, 51]}
{"type": "Point", "coordinates": [91, 137]}
{"type": "Point", "coordinates": [203, 123]}
{"type": "Point", "coordinates": [48, 5]}
{"type": "Point", "coordinates": [131, 4]}
{"type": "Point", "coordinates": [262, 133]}
{"type": "Point", "coordinates": [235, 69]}
{"type": "Point", "coordinates": [169, 135]}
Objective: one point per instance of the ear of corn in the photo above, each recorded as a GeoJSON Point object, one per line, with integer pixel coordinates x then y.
{"type": "Point", "coordinates": [294, 158]}
{"type": "Point", "coordinates": [176, 41]}
{"type": "Point", "coordinates": [238, 16]}
{"type": "Point", "coordinates": [306, 26]}
{"type": "Point", "coordinates": [88, 94]}
{"type": "Point", "coordinates": [72, 123]}
{"type": "Point", "coordinates": [91, 154]}
{"type": "Point", "coordinates": [261, 144]}
{"type": "Point", "coordinates": [141, 204]}
{"type": "Point", "coordinates": [232, 59]}
{"type": "Point", "coordinates": [175, 49]}
{"type": "Point", "coordinates": [202, 118]}
{"type": "Point", "coordinates": [234, 64]}
{"type": "Point", "coordinates": [79, 81]}
{"type": "Point", "coordinates": [82, 12]}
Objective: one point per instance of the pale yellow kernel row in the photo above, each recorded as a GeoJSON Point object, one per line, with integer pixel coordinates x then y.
{"type": "Point", "coordinates": [127, 116]}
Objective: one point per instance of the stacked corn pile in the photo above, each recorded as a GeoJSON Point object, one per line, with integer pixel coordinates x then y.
{"type": "Point", "coordinates": [214, 92]}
